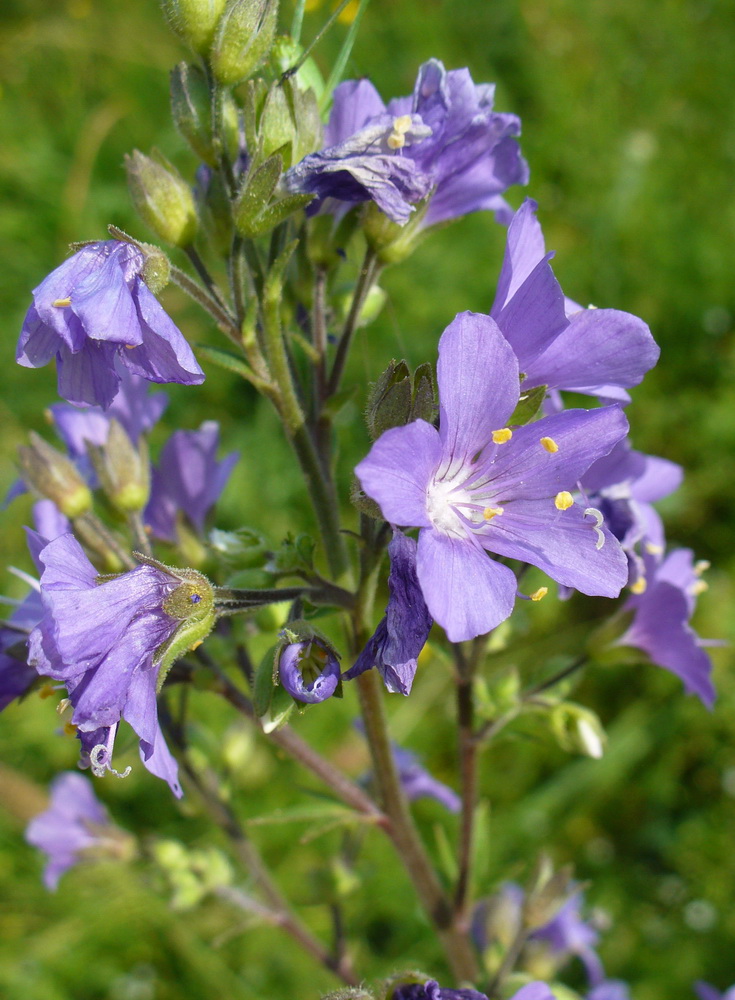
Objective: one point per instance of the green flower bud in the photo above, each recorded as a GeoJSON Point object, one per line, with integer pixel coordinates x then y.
{"type": "Point", "coordinates": [286, 53]}
{"type": "Point", "coordinates": [162, 198]}
{"type": "Point", "coordinates": [392, 243]}
{"type": "Point", "coordinates": [244, 38]}
{"type": "Point", "coordinates": [50, 474]}
{"type": "Point", "coordinates": [194, 21]}
{"type": "Point", "coordinates": [578, 729]}
{"type": "Point", "coordinates": [123, 470]}
{"type": "Point", "coordinates": [156, 270]}
{"type": "Point", "coordinates": [191, 108]}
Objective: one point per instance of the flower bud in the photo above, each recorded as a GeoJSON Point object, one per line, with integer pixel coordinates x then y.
{"type": "Point", "coordinates": [391, 242]}
{"type": "Point", "coordinates": [156, 270]}
{"type": "Point", "coordinates": [194, 21]}
{"type": "Point", "coordinates": [244, 38]}
{"type": "Point", "coordinates": [578, 729]}
{"type": "Point", "coordinates": [162, 198]}
{"type": "Point", "coordinates": [307, 663]}
{"type": "Point", "coordinates": [123, 470]}
{"type": "Point", "coordinates": [53, 476]}
{"type": "Point", "coordinates": [191, 110]}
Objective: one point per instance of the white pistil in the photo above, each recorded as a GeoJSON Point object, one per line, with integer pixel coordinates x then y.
{"type": "Point", "coordinates": [593, 512]}
{"type": "Point", "coordinates": [99, 758]}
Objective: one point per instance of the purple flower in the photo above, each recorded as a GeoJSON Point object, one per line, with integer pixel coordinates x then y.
{"type": "Point", "coordinates": [417, 783]}
{"type": "Point", "coordinates": [444, 141]}
{"type": "Point", "coordinates": [610, 989]}
{"type": "Point", "coordinates": [432, 991]}
{"type": "Point", "coordinates": [660, 625]}
{"type": "Point", "coordinates": [74, 826]}
{"type": "Point", "coordinates": [188, 479]}
{"type": "Point", "coordinates": [309, 671]}
{"type": "Point", "coordinates": [95, 312]}
{"type": "Point", "coordinates": [569, 934]}
{"type": "Point", "coordinates": [476, 485]}
{"type": "Point", "coordinates": [706, 992]}
{"type": "Point", "coordinates": [594, 351]}
{"type": "Point", "coordinates": [105, 640]}
{"type": "Point", "coordinates": [402, 633]}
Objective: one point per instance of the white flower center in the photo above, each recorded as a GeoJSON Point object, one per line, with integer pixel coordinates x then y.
{"type": "Point", "coordinates": [442, 498]}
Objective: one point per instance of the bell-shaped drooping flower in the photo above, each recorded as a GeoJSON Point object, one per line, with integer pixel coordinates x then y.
{"type": "Point", "coordinates": [706, 992]}
{"type": "Point", "coordinates": [188, 480]}
{"type": "Point", "coordinates": [402, 633]}
{"type": "Point", "coordinates": [660, 625]}
{"type": "Point", "coordinates": [16, 677]}
{"type": "Point", "coordinates": [444, 141]}
{"type": "Point", "coordinates": [75, 828]}
{"type": "Point", "coordinates": [431, 990]}
{"type": "Point", "coordinates": [94, 313]}
{"type": "Point", "coordinates": [599, 352]}
{"type": "Point", "coordinates": [111, 642]}
{"type": "Point", "coordinates": [476, 486]}
{"type": "Point", "coordinates": [309, 670]}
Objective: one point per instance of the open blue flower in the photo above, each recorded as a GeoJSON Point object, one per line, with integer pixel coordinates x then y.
{"type": "Point", "coordinates": [95, 313]}
{"type": "Point", "coordinates": [476, 485]}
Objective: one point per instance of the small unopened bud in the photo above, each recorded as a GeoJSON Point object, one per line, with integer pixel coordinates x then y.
{"type": "Point", "coordinates": [194, 21]}
{"type": "Point", "coordinates": [53, 476]}
{"type": "Point", "coordinates": [307, 663]}
{"type": "Point", "coordinates": [156, 270]}
{"type": "Point", "coordinates": [162, 198]}
{"type": "Point", "coordinates": [578, 730]}
{"type": "Point", "coordinates": [123, 470]}
{"type": "Point", "coordinates": [546, 893]}
{"type": "Point", "coordinates": [191, 105]}
{"type": "Point", "coordinates": [244, 38]}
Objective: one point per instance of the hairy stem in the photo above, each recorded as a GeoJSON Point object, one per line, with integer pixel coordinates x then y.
{"type": "Point", "coordinates": [368, 274]}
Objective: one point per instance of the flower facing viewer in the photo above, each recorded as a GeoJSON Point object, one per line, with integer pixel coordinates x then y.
{"type": "Point", "coordinates": [476, 486]}
{"type": "Point", "coordinates": [75, 827]}
{"type": "Point", "coordinates": [95, 312]}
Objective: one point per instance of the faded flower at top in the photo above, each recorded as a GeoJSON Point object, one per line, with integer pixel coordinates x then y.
{"type": "Point", "coordinates": [477, 486]}
{"type": "Point", "coordinates": [660, 625]}
{"type": "Point", "coordinates": [74, 828]}
{"type": "Point", "coordinates": [95, 312]}
{"type": "Point", "coordinates": [402, 633]}
{"type": "Point", "coordinates": [188, 479]}
{"type": "Point", "coordinates": [431, 990]}
{"type": "Point", "coordinates": [444, 141]}
{"type": "Point", "coordinates": [109, 641]}
{"type": "Point", "coordinates": [600, 352]}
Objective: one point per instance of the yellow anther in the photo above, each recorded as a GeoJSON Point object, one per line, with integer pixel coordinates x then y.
{"type": "Point", "coordinates": [63, 706]}
{"type": "Point", "coordinates": [654, 550]}
{"type": "Point", "coordinates": [698, 587]}
{"type": "Point", "coordinates": [539, 594]}
{"type": "Point", "coordinates": [402, 124]}
{"type": "Point", "coordinates": [61, 303]}
{"type": "Point", "coordinates": [701, 566]}
{"type": "Point", "coordinates": [490, 512]}
{"type": "Point", "coordinates": [503, 435]}
{"type": "Point", "coordinates": [563, 500]}
{"type": "Point", "coordinates": [70, 729]}
{"type": "Point", "coordinates": [639, 587]}
{"type": "Point", "coordinates": [131, 347]}
{"type": "Point", "coordinates": [550, 445]}
{"type": "Point", "coordinates": [47, 691]}
{"type": "Point", "coordinates": [196, 645]}
{"type": "Point", "coordinates": [396, 141]}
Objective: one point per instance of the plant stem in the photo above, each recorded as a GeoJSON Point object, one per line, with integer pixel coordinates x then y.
{"type": "Point", "coordinates": [202, 297]}
{"type": "Point", "coordinates": [252, 861]}
{"type": "Point", "coordinates": [368, 274]}
{"type": "Point", "coordinates": [468, 781]}
{"type": "Point", "coordinates": [201, 269]}
{"type": "Point", "coordinates": [404, 834]}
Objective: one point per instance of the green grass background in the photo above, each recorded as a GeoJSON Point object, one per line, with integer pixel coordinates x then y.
{"type": "Point", "coordinates": [628, 125]}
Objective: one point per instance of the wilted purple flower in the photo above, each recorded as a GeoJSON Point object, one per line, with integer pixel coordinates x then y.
{"type": "Point", "coordinates": [104, 639]}
{"type": "Point", "coordinates": [660, 625]}
{"type": "Point", "coordinates": [599, 352]}
{"type": "Point", "coordinates": [309, 671]}
{"type": "Point", "coordinates": [402, 633]}
{"type": "Point", "coordinates": [95, 312]}
{"type": "Point", "coordinates": [476, 485]}
{"type": "Point", "coordinates": [134, 407]}
{"type": "Point", "coordinates": [188, 479]}
{"type": "Point", "coordinates": [444, 140]}
{"type": "Point", "coordinates": [707, 992]}
{"type": "Point", "coordinates": [432, 991]}
{"type": "Point", "coordinates": [74, 826]}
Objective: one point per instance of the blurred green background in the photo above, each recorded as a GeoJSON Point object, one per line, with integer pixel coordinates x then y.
{"type": "Point", "coordinates": [629, 129]}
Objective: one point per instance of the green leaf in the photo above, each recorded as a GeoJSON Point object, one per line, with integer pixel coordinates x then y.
{"type": "Point", "coordinates": [257, 192]}
{"type": "Point", "coordinates": [225, 359]}
{"type": "Point", "coordinates": [528, 405]}
{"type": "Point", "coordinates": [264, 682]}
